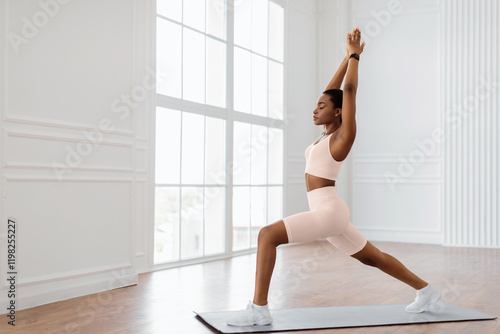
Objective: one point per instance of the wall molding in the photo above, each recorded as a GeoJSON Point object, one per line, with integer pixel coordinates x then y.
{"type": "Point", "coordinates": [369, 228]}
{"type": "Point", "coordinates": [408, 180]}
{"type": "Point", "coordinates": [68, 138]}
{"type": "Point", "coordinates": [39, 178]}
{"type": "Point", "coordinates": [52, 291]}
{"type": "Point", "coordinates": [35, 166]}
{"type": "Point", "coordinates": [421, 237]}
{"type": "Point", "coordinates": [61, 138]}
{"type": "Point", "coordinates": [375, 158]}
{"type": "Point", "coordinates": [61, 124]}
{"type": "Point", "coordinates": [71, 274]}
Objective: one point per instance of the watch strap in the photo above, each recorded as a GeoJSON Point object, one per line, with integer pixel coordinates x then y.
{"type": "Point", "coordinates": [354, 55]}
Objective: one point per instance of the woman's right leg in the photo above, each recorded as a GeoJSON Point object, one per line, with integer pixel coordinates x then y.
{"type": "Point", "coordinates": [299, 227]}
{"type": "Point", "coordinates": [270, 237]}
{"type": "Point", "coordinates": [257, 312]}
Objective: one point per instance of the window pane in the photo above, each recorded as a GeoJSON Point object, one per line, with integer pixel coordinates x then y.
{"type": "Point", "coordinates": [194, 66]}
{"type": "Point", "coordinates": [191, 222]}
{"type": "Point", "coordinates": [259, 154]}
{"type": "Point", "coordinates": [168, 58]}
{"type": "Point", "coordinates": [241, 153]}
{"type": "Point", "coordinates": [258, 212]}
{"type": "Point", "coordinates": [193, 148]}
{"type": "Point", "coordinates": [243, 23]}
{"type": "Point", "coordinates": [241, 217]}
{"type": "Point", "coordinates": [215, 222]}
{"type": "Point", "coordinates": [242, 80]}
{"type": "Point", "coordinates": [166, 224]}
{"type": "Point", "coordinates": [216, 18]}
{"type": "Point", "coordinates": [275, 165]}
{"type": "Point", "coordinates": [170, 8]}
{"type": "Point", "coordinates": [274, 204]}
{"type": "Point", "coordinates": [259, 26]}
{"type": "Point", "coordinates": [168, 143]}
{"type": "Point", "coordinates": [215, 151]}
{"type": "Point", "coordinates": [216, 73]}
{"type": "Point", "coordinates": [259, 85]}
{"type": "Point", "coordinates": [275, 90]}
{"type": "Point", "coordinates": [275, 31]}
{"type": "Point", "coordinates": [194, 14]}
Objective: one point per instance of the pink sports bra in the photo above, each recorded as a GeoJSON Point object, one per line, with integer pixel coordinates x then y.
{"type": "Point", "coordinates": [319, 160]}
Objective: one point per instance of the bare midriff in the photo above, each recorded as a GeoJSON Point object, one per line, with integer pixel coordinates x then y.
{"type": "Point", "coordinates": [314, 182]}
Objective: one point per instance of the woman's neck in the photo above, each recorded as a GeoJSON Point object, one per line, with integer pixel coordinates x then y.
{"type": "Point", "coordinates": [331, 129]}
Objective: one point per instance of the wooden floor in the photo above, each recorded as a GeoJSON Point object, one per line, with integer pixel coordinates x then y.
{"type": "Point", "coordinates": [306, 275]}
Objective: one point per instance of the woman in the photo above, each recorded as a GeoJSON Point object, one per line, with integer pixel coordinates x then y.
{"type": "Point", "coordinates": [329, 216]}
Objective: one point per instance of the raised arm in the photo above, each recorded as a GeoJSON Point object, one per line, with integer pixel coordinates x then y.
{"type": "Point", "coordinates": [337, 79]}
{"type": "Point", "coordinates": [348, 129]}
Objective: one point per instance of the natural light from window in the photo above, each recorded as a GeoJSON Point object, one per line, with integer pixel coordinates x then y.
{"type": "Point", "coordinates": [218, 91]}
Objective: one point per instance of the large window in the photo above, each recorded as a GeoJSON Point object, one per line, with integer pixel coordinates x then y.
{"type": "Point", "coordinates": [219, 126]}
{"type": "Point", "coordinates": [191, 50]}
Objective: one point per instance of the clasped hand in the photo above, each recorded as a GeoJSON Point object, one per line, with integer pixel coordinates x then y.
{"type": "Point", "coordinates": [353, 40]}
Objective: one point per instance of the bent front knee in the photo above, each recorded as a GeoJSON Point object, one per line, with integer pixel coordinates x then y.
{"type": "Point", "coordinates": [268, 236]}
{"type": "Point", "coordinates": [264, 234]}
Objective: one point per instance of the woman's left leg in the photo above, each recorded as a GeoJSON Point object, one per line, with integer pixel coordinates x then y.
{"type": "Point", "coordinates": [372, 256]}
{"type": "Point", "coordinates": [353, 243]}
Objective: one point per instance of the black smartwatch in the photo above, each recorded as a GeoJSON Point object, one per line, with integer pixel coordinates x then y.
{"type": "Point", "coordinates": [354, 55]}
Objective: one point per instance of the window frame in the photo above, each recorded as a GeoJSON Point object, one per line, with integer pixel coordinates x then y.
{"type": "Point", "coordinates": [230, 116]}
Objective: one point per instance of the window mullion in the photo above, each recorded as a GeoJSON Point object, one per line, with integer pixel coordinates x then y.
{"type": "Point", "coordinates": [229, 123]}
{"type": "Point", "coordinates": [180, 194]}
{"type": "Point", "coordinates": [204, 181]}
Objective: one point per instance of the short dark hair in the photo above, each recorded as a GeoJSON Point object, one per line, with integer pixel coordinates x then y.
{"type": "Point", "coordinates": [336, 98]}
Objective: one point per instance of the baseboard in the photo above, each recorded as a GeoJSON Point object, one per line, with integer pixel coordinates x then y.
{"type": "Point", "coordinates": [418, 237]}
{"type": "Point", "coordinates": [37, 294]}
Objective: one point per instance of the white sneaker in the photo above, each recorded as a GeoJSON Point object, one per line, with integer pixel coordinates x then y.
{"type": "Point", "coordinates": [251, 316]}
{"type": "Point", "coordinates": [424, 299]}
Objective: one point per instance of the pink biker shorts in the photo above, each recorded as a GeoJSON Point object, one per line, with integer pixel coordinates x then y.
{"type": "Point", "coordinates": [329, 218]}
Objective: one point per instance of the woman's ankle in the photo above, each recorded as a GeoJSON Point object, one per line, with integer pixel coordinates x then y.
{"type": "Point", "coordinates": [259, 302]}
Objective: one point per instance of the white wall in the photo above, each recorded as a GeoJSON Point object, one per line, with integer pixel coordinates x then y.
{"type": "Point", "coordinates": [78, 190]}
{"type": "Point", "coordinates": [301, 94]}
{"type": "Point", "coordinates": [470, 88]}
{"type": "Point", "coordinates": [398, 106]}
{"type": "Point", "coordinates": [416, 177]}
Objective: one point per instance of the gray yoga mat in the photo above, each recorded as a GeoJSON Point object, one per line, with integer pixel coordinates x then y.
{"type": "Point", "coordinates": [346, 316]}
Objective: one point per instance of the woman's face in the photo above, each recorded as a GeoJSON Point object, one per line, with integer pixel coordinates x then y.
{"type": "Point", "coordinates": [324, 112]}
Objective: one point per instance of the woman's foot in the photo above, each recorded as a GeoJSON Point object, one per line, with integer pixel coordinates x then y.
{"type": "Point", "coordinates": [425, 297]}
{"type": "Point", "coordinates": [252, 315]}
